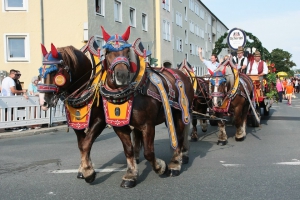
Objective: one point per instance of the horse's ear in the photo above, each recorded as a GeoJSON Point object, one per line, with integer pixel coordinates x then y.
{"type": "Point", "coordinates": [105, 35]}
{"type": "Point", "coordinates": [224, 70]}
{"type": "Point", "coordinates": [211, 72]}
{"type": "Point", "coordinates": [54, 51]}
{"type": "Point", "coordinates": [125, 35]}
{"type": "Point", "coordinates": [44, 50]}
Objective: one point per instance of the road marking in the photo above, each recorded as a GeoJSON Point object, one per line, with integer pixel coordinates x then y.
{"type": "Point", "coordinates": [295, 162]}
{"type": "Point", "coordinates": [232, 165]}
{"type": "Point", "coordinates": [68, 171]}
{"type": "Point", "coordinates": [288, 163]}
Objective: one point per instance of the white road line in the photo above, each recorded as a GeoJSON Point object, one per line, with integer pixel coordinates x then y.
{"type": "Point", "coordinates": [232, 165]}
{"type": "Point", "coordinates": [287, 163]}
{"type": "Point", "coordinates": [68, 171]}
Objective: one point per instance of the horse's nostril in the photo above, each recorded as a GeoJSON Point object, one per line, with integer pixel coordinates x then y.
{"type": "Point", "coordinates": [45, 104]}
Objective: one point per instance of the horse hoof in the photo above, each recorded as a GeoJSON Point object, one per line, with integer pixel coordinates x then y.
{"type": "Point", "coordinates": [91, 178]}
{"type": "Point", "coordinates": [174, 173]}
{"type": "Point", "coordinates": [128, 184]}
{"type": "Point", "coordinates": [80, 175]}
{"type": "Point", "coordinates": [185, 159]}
{"type": "Point", "coordinates": [240, 139]}
{"type": "Point", "coordinates": [222, 143]}
{"type": "Point", "coordinates": [204, 130]}
{"type": "Point", "coordinates": [194, 139]}
{"type": "Point", "coordinates": [167, 171]}
{"type": "Point", "coordinates": [137, 161]}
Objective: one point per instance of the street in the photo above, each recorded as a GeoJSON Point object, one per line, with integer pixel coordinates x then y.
{"type": "Point", "coordinates": [265, 166]}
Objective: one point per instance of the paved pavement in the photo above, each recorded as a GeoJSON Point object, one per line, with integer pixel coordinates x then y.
{"type": "Point", "coordinates": [13, 134]}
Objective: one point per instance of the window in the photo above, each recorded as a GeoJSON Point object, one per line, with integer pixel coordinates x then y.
{"type": "Point", "coordinates": [209, 19]}
{"type": "Point", "coordinates": [179, 19]}
{"type": "Point", "coordinates": [191, 4]}
{"type": "Point", "coordinates": [196, 9]}
{"type": "Point", "coordinates": [100, 7]}
{"type": "Point", "coordinates": [17, 47]}
{"type": "Point", "coordinates": [166, 30]}
{"type": "Point", "coordinates": [132, 16]}
{"type": "Point", "coordinates": [118, 11]}
{"type": "Point", "coordinates": [186, 37]}
{"type": "Point", "coordinates": [201, 13]}
{"type": "Point", "coordinates": [166, 5]}
{"type": "Point", "coordinates": [192, 26]}
{"type": "Point", "coordinates": [100, 41]}
{"type": "Point", "coordinates": [197, 30]}
{"type": "Point", "coordinates": [185, 14]}
{"type": "Point", "coordinates": [16, 4]}
{"type": "Point", "coordinates": [179, 44]}
{"type": "Point", "coordinates": [144, 22]}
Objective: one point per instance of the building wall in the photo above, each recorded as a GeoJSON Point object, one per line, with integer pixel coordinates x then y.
{"type": "Point", "coordinates": [107, 20]}
{"type": "Point", "coordinates": [62, 27]}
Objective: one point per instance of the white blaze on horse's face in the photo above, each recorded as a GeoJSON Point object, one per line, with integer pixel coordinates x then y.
{"type": "Point", "coordinates": [42, 101]}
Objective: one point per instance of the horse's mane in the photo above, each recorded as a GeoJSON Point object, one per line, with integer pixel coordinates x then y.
{"type": "Point", "coordinates": [69, 57]}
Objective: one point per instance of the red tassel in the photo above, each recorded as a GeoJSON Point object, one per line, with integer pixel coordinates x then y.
{"type": "Point", "coordinates": [125, 35]}
{"type": "Point", "coordinates": [224, 70]}
{"type": "Point", "coordinates": [54, 51]}
{"type": "Point", "coordinates": [211, 72]}
{"type": "Point", "coordinates": [106, 36]}
{"type": "Point", "coordinates": [44, 50]}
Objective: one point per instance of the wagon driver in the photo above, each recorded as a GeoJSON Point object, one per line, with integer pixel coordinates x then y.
{"type": "Point", "coordinates": [241, 60]}
{"type": "Point", "coordinates": [258, 67]}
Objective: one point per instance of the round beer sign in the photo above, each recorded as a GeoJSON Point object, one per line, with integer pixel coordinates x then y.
{"type": "Point", "coordinates": [236, 38]}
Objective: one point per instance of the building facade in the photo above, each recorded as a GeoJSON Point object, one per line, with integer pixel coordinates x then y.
{"type": "Point", "coordinates": [26, 24]}
{"type": "Point", "coordinates": [171, 29]}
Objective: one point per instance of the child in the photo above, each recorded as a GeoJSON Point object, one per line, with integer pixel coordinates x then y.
{"type": "Point", "coordinates": [289, 92]}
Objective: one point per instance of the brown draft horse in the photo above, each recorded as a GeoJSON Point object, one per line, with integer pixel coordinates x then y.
{"type": "Point", "coordinates": [201, 99]}
{"type": "Point", "coordinates": [147, 112]}
{"type": "Point", "coordinates": [76, 67]}
{"type": "Point", "coordinates": [226, 87]}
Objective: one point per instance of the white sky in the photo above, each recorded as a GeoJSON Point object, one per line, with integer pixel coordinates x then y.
{"type": "Point", "coordinates": [274, 22]}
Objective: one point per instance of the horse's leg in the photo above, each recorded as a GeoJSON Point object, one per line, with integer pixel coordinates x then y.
{"type": "Point", "coordinates": [222, 136]}
{"type": "Point", "coordinates": [137, 140]}
{"type": "Point", "coordinates": [203, 122]}
{"type": "Point", "coordinates": [85, 141]}
{"type": "Point", "coordinates": [240, 123]}
{"type": "Point", "coordinates": [194, 135]}
{"type": "Point", "coordinates": [158, 165]}
{"type": "Point", "coordinates": [130, 178]}
{"type": "Point", "coordinates": [180, 154]}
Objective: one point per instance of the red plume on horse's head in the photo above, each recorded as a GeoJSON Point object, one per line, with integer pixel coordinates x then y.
{"type": "Point", "coordinates": [44, 50]}
{"type": "Point", "coordinates": [211, 72]}
{"type": "Point", "coordinates": [54, 51]}
{"type": "Point", "coordinates": [105, 35]}
{"type": "Point", "coordinates": [126, 34]}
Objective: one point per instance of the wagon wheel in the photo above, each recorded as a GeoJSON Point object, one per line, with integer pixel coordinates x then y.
{"type": "Point", "coordinates": [256, 123]}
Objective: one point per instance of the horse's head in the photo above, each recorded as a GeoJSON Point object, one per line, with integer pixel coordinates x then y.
{"type": "Point", "coordinates": [56, 74]}
{"type": "Point", "coordinates": [117, 59]}
{"type": "Point", "coordinates": [218, 85]}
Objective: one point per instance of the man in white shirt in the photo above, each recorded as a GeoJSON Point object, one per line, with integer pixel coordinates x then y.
{"type": "Point", "coordinates": [240, 60]}
{"type": "Point", "coordinates": [257, 67]}
{"type": "Point", "coordinates": [212, 64]}
{"type": "Point", "coordinates": [9, 85]}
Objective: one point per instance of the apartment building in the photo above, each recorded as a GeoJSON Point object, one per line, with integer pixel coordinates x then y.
{"type": "Point", "coordinates": [171, 29]}
{"type": "Point", "coordinates": [26, 24]}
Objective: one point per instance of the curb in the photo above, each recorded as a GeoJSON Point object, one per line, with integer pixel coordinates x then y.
{"type": "Point", "coordinates": [32, 132]}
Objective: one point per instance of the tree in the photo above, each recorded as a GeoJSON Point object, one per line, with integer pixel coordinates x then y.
{"type": "Point", "coordinates": [282, 60]}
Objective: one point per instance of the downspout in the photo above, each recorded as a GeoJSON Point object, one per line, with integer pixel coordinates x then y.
{"type": "Point", "coordinates": [157, 31]}
{"type": "Point", "coordinates": [42, 21]}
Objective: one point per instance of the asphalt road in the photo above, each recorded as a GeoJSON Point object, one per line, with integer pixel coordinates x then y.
{"type": "Point", "coordinates": [265, 166]}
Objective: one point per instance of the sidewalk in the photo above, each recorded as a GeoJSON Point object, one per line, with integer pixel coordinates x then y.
{"type": "Point", "coordinates": [12, 134]}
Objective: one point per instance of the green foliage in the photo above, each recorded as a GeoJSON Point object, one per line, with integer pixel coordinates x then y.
{"type": "Point", "coordinates": [272, 91]}
{"type": "Point", "coordinates": [219, 45]}
{"type": "Point", "coordinates": [282, 60]}
{"type": "Point", "coordinates": [153, 61]}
